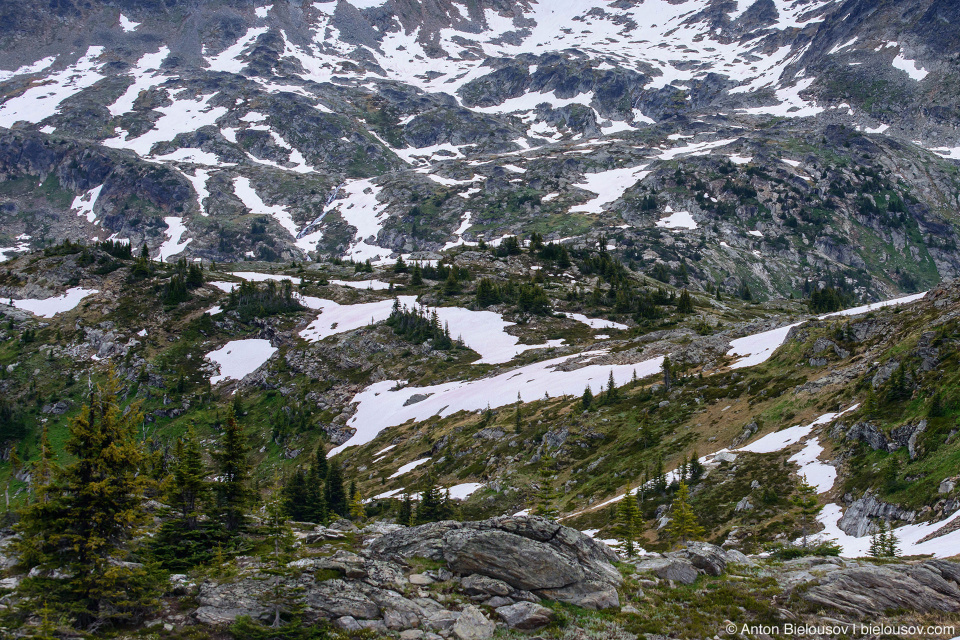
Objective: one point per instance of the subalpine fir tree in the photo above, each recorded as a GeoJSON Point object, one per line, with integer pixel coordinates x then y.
{"type": "Point", "coordinates": [431, 506]}
{"type": "Point", "coordinates": [611, 389]}
{"type": "Point", "coordinates": [695, 467]}
{"type": "Point", "coordinates": [683, 525]}
{"type": "Point", "coordinates": [878, 541]}
{"type": "Point", "coordinates": [630, 523]}
{"type": "Point", "coordinates": [188, 487]}
{"type": "Point", "coordinates": [685, 303]}
{"type": "Point", "coordinates": [667, 370]}
{"type": "Point", "coordinates": [316, 483]}
{"type": "Point", "coordinates": [659, 477]}
{"type": "Point", "coordinates": [85, 518]}
{"type": "Point", "coordinates": [518, 416]}
{"type": "Point", "coordinates": [357, 511]}
{"type": "Point", "coordinates": [416, 276]}
{"type": "Point", "coordinates": [336, 495]}
{"type": "Point", "coordinates": [42, 469]}
{"type": "Point", "coordinates": [546, 494]}
{"type": "Point", "coordinates": [806, 500]}
{"type": "Point", "coordinates": [405, 514]}
{"type": "Point", "coordinates": [233, 493]}
{"type": "Point", "coordinates": [884, 542]}
{"type": "Point", "coordinates": [295, 497]}
{"type": "Point", "coordinates": [586, 401]}
{"type": "Point", "coordinates": [893, 543]}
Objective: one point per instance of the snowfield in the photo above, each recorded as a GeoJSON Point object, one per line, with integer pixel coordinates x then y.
{"type": "Point", "coordinates": [389, 404]}
{"type": "Point", "coordinates": [482, 331]}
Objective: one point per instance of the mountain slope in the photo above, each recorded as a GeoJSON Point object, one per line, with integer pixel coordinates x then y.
{"type": "Point", "coordinates": [370, 130]}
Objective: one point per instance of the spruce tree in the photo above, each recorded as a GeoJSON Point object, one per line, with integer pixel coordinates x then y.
{"type": "Point", "coordinates": [233, 493]}
{"type": "Point", "coordinates": [667, 369]}
{"type": "Point", "coordinates": [188, 487]}
{"type": "Point", "coordinates": [85, 519]}
{"type": "Point", "coordinates": [683, 524]}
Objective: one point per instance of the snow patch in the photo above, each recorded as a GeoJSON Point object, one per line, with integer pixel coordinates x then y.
{"type": "Point", "coordinates": [239, 358]}
{"type": "Point", "coordinates": [49, 307]}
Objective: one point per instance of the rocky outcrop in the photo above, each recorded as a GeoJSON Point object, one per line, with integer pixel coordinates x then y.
{"type": "Point", "coordinates": [871, 590]}
{"type": "Point", "coordinates": [527, 553]}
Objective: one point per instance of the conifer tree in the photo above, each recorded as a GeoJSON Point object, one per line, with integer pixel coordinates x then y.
{"type": "Point", "coordinates": [430, 508]}
{"type": "Point", "coordinates": [233, 493]}
{"type": "Point", "coordinates": [277, 533]}
{"type": "Point", "coordinates": [667, 369]}
{"type": "Point", "coordinates": [416, 276]}
{"type": "Point", "coordinates": [695, 467]}
{"type": "Point", "coordinates": [546, 494]}
{"type": "Point", "coordinates": [878, 541]}
{"type": "Point", "coordinates": [587, 400]}
{"type": "Point", "coordinates": [806, 500]}
{"type": "Point", "coordinates": [335, 493]}
{"type": "Point", "coordinates": [631, 522]}
{"type": "Point", "coordinates": [611, 388]}
{"type": "Point", "coordinates": [518, 416]}
{"type": "Point", "coordinates": [85, 518]}
{"type": "Point", "coordinates": [892, 548]}
{"type": "Point", "coordinates": [295, 497]}
{"type": "Point", "coordinates": [357, 511]}
{"type": "Point", "coordinates": [188, 487]}
{"type": "Point", "coordinates": [405, 515]}
{"type": "Point", "coordinates": [685, 303]}
{"type": "Point", "coordinates": [659, 476]}
{"type": "Point", "coordinates": [316, 491]}
{"type": "Point", "coordinates": [683, 524]}
{"type": "Point", "coordinates": [42, 471]}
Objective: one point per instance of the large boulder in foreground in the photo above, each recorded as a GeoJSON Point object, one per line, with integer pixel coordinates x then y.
{"type": "Point", "coordinates": [870, 590]}
{"type": "Point", "coordinates": [528, 553]}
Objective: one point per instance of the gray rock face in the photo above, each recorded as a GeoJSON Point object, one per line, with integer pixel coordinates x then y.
{"type": "Point", "coordinates": [527, 553]}
{"type": "Point", "coordinates": [473, 625]}
{"type": "Point", "coordinates": [525, 615]}
{"type": "Point", "coordinates": [867, 591]}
